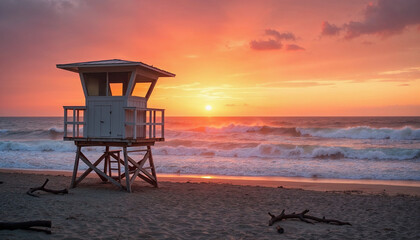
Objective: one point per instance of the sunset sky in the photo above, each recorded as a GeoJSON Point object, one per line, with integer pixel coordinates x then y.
{"type": "Point", "coordinates": [242, 58]}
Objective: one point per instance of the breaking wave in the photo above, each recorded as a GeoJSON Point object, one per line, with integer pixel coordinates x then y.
{"type": "Point", "coordinates": [285, 151]}
{"type": "Point", "coordinates": [406, 133]}
{"type": "Point", "coordinates": [50, 133]}
{"type": "Point", "coordinates": [40, 146]}
{"type": "Point", "coordinates": [362, 132]}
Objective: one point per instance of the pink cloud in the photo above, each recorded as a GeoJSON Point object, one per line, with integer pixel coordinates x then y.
{"type": "Point", "coordinates": [329, 29]}
{"type": "Point", "coordinates": [265, 44]}
{"type": "Point", "coordinates": [280, 36]}
{"type": "Point", "coordinates": [275, 41]}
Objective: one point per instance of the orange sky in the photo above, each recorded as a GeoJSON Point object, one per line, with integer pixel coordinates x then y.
{"type": "Point", "coordinates": [244, 58]}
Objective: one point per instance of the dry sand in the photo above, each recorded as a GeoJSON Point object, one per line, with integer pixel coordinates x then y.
{"type": "Point", "coordinates": [205, 210]}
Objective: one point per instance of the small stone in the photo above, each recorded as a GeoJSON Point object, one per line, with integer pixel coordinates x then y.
{"type": "Point", "coordinates": [279, 229]}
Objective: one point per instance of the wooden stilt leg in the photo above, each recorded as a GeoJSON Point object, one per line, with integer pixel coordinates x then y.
{"type": "Point", "coordinates": [152, 165]}
{"type": "Point", "coordinates": [107, 158]}
{"type": "Point", "coordinates": [127, 172]}
{"type": "Point", "coordinates": [76, 166]}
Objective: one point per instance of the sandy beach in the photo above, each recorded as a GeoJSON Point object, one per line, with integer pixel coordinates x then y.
{"type": "Point", "coordinates": [201, 209]}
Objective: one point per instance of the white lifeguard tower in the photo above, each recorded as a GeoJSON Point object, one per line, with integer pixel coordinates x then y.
{"type": "Point", "coordinates": [116, 116]}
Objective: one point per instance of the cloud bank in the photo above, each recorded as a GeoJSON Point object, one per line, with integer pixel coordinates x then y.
{"type": "Point", "coordinates": [388, 17]}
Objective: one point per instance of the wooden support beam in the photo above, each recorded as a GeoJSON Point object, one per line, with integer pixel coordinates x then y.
{"type": "Point", "coordinates": [98, 171]}
{"type": "Point", "coordinates": [136, 173]}
{"type": "Point", "coordinates": [100, 176]}
{"type": "Point", "coordinates": [146, 179]}
{"type": "Point", "coordinates": [76, 167]}
{"type": "Point", "coordinates": [140, 163]}
{"type": "Point", "coordinates": [152, 165]}
{"type": "Point", "coordinates": [137, 165]}
{"type": "Point", "coordinates": [149, 92]}
{"type": "Point", "coordinates": [126, 168]}
{"type": "Point", "coordinates": [89, 169]}
{"type": "Point", "coordinates": [139, 150]}
{"type": "Point", "coordinates": [107, 160]}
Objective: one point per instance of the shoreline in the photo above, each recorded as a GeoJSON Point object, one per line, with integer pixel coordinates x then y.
{"type": "Point", "coordinates": [368, 186]}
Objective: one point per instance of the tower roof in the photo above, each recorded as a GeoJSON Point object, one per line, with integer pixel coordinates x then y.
{"type": "Point", "coordinates": [74, 67]}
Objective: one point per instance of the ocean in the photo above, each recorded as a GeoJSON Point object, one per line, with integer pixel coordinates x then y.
{"type": "Point", "coordinates": [382, 148]}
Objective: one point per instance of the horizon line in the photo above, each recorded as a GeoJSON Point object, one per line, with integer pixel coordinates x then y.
{"type": "Point", "coordinates": [264, 116]}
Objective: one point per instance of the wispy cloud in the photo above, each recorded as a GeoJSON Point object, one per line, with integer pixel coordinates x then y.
{"type": "Point", "coordinates": [241, 74]}
{"type": "Point", "coordinates": [185, 87]}
{"type": "Point", "coordinates": [294, 47]}
{"type": "Point", "coordinates": [236, 105]}
{"type": "Point", "coordinates": [294, 84]}
{"type": "Point", "coordinates": [399, 71]}
{"type": "Point", "coordinates": [191, 56]}
{"type": "Point", "coordinates": [232, 44]}
{"type": "Point", "coordinates": [396, 80]}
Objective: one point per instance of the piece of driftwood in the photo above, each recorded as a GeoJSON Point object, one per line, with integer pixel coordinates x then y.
{"type": "Point", "coordinates": [27, 226]}
{"type": "Point", "coordinates": [303, 217]}
{"type": "Point", "coordinates": [42, 188]}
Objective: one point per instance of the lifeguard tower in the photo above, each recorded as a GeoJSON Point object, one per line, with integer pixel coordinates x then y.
{"type": "Point", "coordinates": [116, 117]}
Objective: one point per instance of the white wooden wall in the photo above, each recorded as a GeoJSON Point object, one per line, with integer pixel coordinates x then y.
{"type": "Point", "coordinates": [105, 117]}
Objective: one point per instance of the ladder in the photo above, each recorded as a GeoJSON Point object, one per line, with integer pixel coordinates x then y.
{"type": "Point", "coordinates": [112, 161]}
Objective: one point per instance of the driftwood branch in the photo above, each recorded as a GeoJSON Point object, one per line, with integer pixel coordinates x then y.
{"type": "Point", "coordinates": [303, 217]}
{"type": "Point", "coordinates": [42, 188]}
{"type": "Point", "coordinates": [27, 226]}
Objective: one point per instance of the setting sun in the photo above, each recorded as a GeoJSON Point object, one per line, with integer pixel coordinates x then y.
{"type": "Point", "coordinates": [208, 108]}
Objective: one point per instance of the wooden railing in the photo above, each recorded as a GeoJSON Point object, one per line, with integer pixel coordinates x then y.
{"type": "Point", "coordinates": [142, 122]}
{"type": "Point", "coordinates": [78, 112]}
{"type": "Point", "coordinates": [138, 123]}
